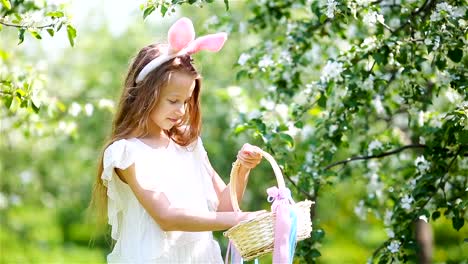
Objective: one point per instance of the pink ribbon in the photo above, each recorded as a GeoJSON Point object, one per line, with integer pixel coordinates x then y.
{"type": "Point", "coordinates": [280, 198]}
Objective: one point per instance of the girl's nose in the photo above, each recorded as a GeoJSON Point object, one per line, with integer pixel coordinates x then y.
{"type": "Point", "coordinates": [181, 109]}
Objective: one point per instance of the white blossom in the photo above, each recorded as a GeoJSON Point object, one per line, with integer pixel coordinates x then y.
{"type": "Point", "coordinates": [422, 140]}
{"type": "Point", "coordinates": [373, 165]}
{"type": "Point", "coordinates": [372, 18]}
{"type": "Point", "coordinates": [421, 117]}
{"type": "Point", "coordinates": [332, 71]}
{"type": "Point", "coordinates": [265, 62]}
{"type": "Point", "coordinates": [374, 145]}
{"type": "Point", "coordinates": [390, 232]}
{"type": "Point", "coordinates": [436, 121]}
{"type": "Point", "coordinates": [369, 42]}
{"type": "Point", "coordinates": [363, 2]}
{"type": "Point", "coordinates": [234, 91]}
{"type": "Point", "coordinates": [332, 130]}
{"type": "Point", "coordinates": [388, 217]}
{"type": "Point", "coordinates": [26, 176]}
{"type": "Point", "coordinates": [394, 246]}
{"type": "Point", "coordinates": [285, 57]}
{"type": "Point", "coordinates": [74, 109]}
{"type": "Point", "coordinates": [243, 58]}
{"type": "Point", "coordinates": [452, 95]}
{"type": "Point", "coordinates": [368, 84]}
{"type": "Point", "coordinates": [377, 103]}
{"type": "Point", "coordinates": [360, 210]}
{"type": "Point", "coordinates": [282, 110]}
{"type": "Point", "coordinates": [422, 164]}
{"type": "Point", "coordinates": [406, 202]}
{"type": "Point", "coordinates": [331, 6]}
{"type": "Point", "coordinates": [268, 104]}
{"type": "Point", "coordinates": [436, 43]}
{"type": "Point", "coordinates": [106, 103]}
{"type": "Point", "coordinates": [89, 108]}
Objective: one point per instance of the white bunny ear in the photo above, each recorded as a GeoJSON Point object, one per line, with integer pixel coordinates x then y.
{"type": "Point", "coordinates": [181, 34]}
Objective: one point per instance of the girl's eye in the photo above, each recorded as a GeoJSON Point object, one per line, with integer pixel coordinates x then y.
{"type": "Point", "coordinates": [172, 101]}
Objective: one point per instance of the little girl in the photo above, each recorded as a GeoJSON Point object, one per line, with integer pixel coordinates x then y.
{"type": "Point", "coordinates": [163, 196]}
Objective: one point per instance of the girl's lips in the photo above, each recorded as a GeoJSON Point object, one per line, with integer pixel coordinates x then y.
{"type": "Point", "coordinates": [173, 120]}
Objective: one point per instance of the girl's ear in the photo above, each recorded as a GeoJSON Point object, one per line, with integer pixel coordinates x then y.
{"type": "Point", "coordinates": [181, 34]}
{"type": "Point", "coordinates": [213, 42]}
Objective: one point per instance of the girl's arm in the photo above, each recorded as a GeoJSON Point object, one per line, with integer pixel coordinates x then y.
{"type": "Point", "coordinates": [222, 190]}
{"type": "Point", "coordinates": [249, 159]}
{"type": "Point", "coordinates": [171, 219]}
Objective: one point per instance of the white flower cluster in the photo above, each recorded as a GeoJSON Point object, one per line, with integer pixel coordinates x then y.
{"type": "Point", "coordinates": [394, 246]}
{"type": "Point", "coordinates": [75, 109]}
{"type": "Point", "coordinates": [374, 145]}
{"type": "Point", "coordinates": [265, 62]}
{"type": "Point", "coordinates": [243, 58]}
{"type": "Point", "coordinates": [331, 6]}
{"type": "Point", "coordinates": [332, 71]}
{"type": "Point", "coordinates": [446, 10]}
{"type": "Point", "coordinates": [377, 103]}
{"type": "Point", "coordinates": [360, 210]}
{"type": "Point", "coordinates": [422, 164]}
{"type": "Point", "coordinates": [406, 202]}
{"type": "Point", "coordinates": [372, 17]}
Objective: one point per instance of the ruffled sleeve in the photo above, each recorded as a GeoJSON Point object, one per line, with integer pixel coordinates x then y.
{"type": "Point", "coordinates": [207, 177]}
{"type": "Point", "coordinates": [120, 155]}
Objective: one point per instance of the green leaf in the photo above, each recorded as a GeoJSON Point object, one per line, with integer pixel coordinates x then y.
{"type": "Point", "coordinates": [51, 32]}
{"type": "Point", "coordinates": [315, 253]}
{"type": "Point", "coordinates": [35, 34]}
{"type": "Point", "coordinates": [287, 138]}
{"type": "Point", "coordinates": [55, 14]}
{"type": "Point", "coordinates": [458, 222]}
{"type": "Point", "coordinates": [441, 63]}
{"type": "Point", "coordinates": [71, 32]}
{"type": "Point", "coordinates": [435, 215]}
{"type": "Point", "coordinates": [35, 107]}
{"type": "Point", "coordinates": [6, 4]}
{"type": "Point", "coordinates": [323, 18]}
{"type": "Point", "coordinates": [148, 11]}
{"type": "Point", "coordinates": [21, 35]}
{"type": "Point", "coordinates": [455, 54]}
{"type": "Point", "coordinates": [163, 9]}
{"type": "Point", "coordinates": [8, 100]}
{"type": "Point", "coordinates": [318, 234]}
{"type": "Point", "coordinates": [240, 128]}
{"type": "Point", "coordinates": [226, 3]}
{"type": "Point", "coordinates": [322, 102]}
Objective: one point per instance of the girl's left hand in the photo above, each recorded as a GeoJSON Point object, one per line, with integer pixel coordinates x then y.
{"type": "Point", "coordinates": [249, 156]}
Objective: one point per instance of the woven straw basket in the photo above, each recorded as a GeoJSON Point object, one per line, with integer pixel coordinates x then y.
{"type": "Point", "coordinates": [255, 237]}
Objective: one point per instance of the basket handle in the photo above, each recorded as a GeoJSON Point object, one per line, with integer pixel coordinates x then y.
{"type": "Point", "coordinates": [235, 172]}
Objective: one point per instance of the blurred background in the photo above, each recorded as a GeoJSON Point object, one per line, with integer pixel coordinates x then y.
{"type": "Point", "coordinates": [48, 161]}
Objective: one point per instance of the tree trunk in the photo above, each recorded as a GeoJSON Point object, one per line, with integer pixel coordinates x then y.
{"type": "Point", "coordinates": [424, 239]}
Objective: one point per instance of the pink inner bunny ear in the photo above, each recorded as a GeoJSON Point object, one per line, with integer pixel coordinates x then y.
{"type": "Point", "coordinates": [181, 34]}
{"type": "Point", "coordinates": [212, 42]}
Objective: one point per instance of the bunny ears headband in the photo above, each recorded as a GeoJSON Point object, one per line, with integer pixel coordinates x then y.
{"type": "Point", "coordinates": [182, 41]}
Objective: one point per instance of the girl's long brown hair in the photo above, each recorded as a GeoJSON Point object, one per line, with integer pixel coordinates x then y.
{"type": "Point", "coordinates": [136, 103]}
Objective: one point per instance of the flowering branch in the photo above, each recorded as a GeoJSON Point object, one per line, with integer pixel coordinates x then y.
{"type": "Point", "coordinates": [374, 156]}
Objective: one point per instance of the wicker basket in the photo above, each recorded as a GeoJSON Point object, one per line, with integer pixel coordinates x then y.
{"type": "Point", "coordinates": [255, 237]}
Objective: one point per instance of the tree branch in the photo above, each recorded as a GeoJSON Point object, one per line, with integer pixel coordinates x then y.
{"type": "Point", "coordinates": [306, 194]}
{"type": "Point", "coordinates": [374, 156]}
{"type": "Point", "coordinates": [24, 26]}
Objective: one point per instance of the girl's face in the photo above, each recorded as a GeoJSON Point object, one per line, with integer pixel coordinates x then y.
{"type": "Point", "coordinates": [170, 107]}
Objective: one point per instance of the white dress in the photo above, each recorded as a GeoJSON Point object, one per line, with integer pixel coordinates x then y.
{"type": "Point", "coordinates": [181, 173]}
